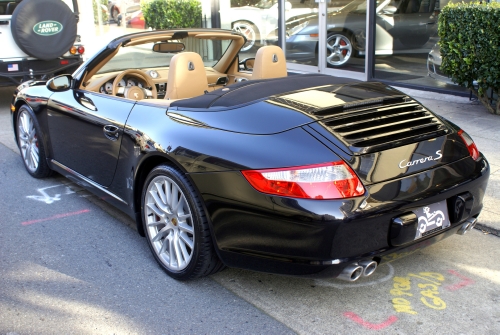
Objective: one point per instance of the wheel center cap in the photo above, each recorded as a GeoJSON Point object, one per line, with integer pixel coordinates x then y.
{"type": "Point", "coordinates": [174, 221]}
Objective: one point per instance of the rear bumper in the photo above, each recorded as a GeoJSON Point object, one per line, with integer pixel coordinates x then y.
{"type": "Point", "coordinates": [15, 71]}
{"type": "Point", "coordinates": [321, 238]}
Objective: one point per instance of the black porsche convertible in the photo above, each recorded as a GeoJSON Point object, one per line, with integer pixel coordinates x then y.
{"type": "Point", "coordinates": [235, 163]}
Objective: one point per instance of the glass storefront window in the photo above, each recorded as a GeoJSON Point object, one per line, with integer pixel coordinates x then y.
{"type": "Point", "coordinates": [410, 54]}
{"type": "Point", "coordinates": [254, 19]}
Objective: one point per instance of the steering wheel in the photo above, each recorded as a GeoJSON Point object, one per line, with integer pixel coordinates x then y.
{"type": "Point", "coordinates": [135, 92]}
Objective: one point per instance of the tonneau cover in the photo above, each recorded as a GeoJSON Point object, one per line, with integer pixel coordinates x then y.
{"type": "Point", "coordinates": [252, 90]}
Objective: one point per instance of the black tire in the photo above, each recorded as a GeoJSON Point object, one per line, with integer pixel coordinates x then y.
{"type": "Point", "coordinates": [30, 144]}
{"type": "Point", "coordinates": [251, 32]}
{"type": "Point", "coordinates": [179, 237]}
{"type": "Point", "coordinates": [114, 14]}
{"type": "Point", "coordinates": [41, 42]}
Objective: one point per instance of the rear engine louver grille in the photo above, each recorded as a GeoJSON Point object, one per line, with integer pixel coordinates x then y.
{"type": "Point", "coordinates": [374, 128]}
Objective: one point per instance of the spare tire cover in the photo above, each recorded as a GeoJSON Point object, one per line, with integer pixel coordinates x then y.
{"type": "Point", "coordinates": [44, 29]}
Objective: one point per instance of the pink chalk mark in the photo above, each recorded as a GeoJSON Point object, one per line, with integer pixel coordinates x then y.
{"type": "Point", "coordinates": [373, 326]}
{"type": "Point", "coordinates": [465, 281]}
{"type": "Point", "coordinates": [58, 216]}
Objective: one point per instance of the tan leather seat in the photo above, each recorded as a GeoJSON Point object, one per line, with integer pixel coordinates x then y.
{"type": "Point", "coordinates": [270, 62]}
{"type": "Point", "coordinates": [186, 76]}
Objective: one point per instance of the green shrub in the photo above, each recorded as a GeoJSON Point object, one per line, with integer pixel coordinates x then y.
{"type": "Point", "coordinates": [470, 47]}
{"type": "Point", "coordinates": [167, 14]}
{"type": "Point", "coordinates": [103, 12]}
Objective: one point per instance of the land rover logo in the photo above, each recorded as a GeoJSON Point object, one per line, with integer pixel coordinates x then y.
{"type": "Point", "coordinates": [47, 28]}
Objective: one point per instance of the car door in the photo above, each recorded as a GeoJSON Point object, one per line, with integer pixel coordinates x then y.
{"type": "Point", "coordinates": [86, 130]}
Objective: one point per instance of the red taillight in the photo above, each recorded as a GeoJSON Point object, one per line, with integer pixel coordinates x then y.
{"type": "Point", "coordinates": [471, 146]}
{"type": "Point", "coordinates": [81, 49]}
{"type": "Point", "coordinates": [334, 180]}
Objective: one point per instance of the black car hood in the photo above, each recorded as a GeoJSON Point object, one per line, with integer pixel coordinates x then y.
{"type": "Point", "coordinates": [269, 113]}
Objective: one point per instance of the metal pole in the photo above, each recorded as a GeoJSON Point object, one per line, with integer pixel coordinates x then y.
{"type": "Point", "coordinates": [281, 25]}
{"type": "Point", "coordinates": [370, 40]}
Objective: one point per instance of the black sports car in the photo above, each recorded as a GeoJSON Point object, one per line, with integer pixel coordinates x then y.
{"type": "Point", "coordinates": [292, 174]}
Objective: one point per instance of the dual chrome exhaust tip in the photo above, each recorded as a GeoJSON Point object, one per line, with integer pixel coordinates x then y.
{"type": "Point", "coordinates": [354, 271]}
{"type": "Point", "coordinates": [467, 225]}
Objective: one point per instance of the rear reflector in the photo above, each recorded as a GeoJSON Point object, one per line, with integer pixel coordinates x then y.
{"type": "Point", "coordinates": [334, 180]}
{"type": "Point", "coordinates": [471, 146]}
{"type": "Point", "coordinates": [64, 62]}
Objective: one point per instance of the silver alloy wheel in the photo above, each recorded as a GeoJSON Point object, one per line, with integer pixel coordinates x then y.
{"type": "Point", "coordinates": [247, 30]}
{"type": "Point", "coordinates": [169, 223]}
{"type": "Point", "coordinates": [339, 49]}
{"type": "Point", "coordinates": [28, 141]}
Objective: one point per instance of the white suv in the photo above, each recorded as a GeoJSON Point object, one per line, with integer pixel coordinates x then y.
{"type": "Point", "coordinates": [39, 39]}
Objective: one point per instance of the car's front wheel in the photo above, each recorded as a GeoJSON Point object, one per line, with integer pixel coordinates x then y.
{"type": "Point", "coordinates": [248, 30]}
{"type": "Point", "coordinates": [176, 226]}
{"type": "Point", "coordinates": [339, 49]}
{"type": "Point", "coordinates": [30, 144]}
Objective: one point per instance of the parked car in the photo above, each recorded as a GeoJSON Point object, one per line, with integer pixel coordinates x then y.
{"type": "Point", "coordinates": [405, 26]}
{"type": "Point", "coordinates": [301, 175]}
{"type": "Point", "coordinates": [255, 22]}
{"type": "Point", "coordinates": [38, 41]}
{"type": "Point", "coordinates": [434, 60]}
{"type": "Point", "coordinates": [120, 7]}
{"type": "Point", "coordinates": [136, 20]}
{"type": "Point", "coordinates": [124, 17]}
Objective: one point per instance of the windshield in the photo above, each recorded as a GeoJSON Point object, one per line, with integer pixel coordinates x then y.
{"type": "Point", "coordinates": [143, 57]}
{"type": "Point", "coordinates": [265, 4]}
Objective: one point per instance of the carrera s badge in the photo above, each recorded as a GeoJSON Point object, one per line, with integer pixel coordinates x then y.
{"type": "Point", "coordinates": [403, 165]}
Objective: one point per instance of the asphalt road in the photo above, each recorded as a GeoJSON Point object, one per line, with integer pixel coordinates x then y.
{"type": "Point", "coordinates": [69, 263]}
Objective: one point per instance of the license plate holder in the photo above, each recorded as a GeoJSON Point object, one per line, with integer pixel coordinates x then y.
{"type": "Point", "coordinates": [431, 218]}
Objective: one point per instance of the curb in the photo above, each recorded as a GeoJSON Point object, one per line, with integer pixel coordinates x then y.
{"type": "Point", "coordinates": [487, 230]}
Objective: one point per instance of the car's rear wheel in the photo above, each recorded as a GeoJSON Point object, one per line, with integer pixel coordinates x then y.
{"type": "Point", "coordinates": [248, 30]}
{"type": "Point", "coordinates": [114, 14]}
{"type": "Point", "coordinates": [30, 144]}
{"type": "Point", "coordinates": [339, 49]}
{"type": "Point", "coordinates": [176, 226]}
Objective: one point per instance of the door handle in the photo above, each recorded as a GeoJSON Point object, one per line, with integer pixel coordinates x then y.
{"type": "Point", "coordinates": [111, 132]}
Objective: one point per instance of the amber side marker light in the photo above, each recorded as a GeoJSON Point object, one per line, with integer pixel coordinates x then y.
{"type": "Point", "coordinates": [12, 108]}
{"type": "Point", "coordinates": [471, 146]}
{"type": "Point", "coordinates": [335, 180]}
{"type": "Point", "coordinates": [77, 49]}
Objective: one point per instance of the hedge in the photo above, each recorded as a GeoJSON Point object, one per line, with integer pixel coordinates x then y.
{"type": "Point", "coordinates": [470, 47]}
{"type": "Point", "coordinates": [102, 4]}
{"type": "Point", "coordinates": [167, 14]}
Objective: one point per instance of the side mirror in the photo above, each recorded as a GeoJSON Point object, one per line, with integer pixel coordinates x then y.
{"type": "Point", "coordinates": [60, 83]}
{"type": "Point", "coordinates": [247, 64]}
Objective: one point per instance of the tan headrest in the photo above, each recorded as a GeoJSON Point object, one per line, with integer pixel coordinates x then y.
{"type": "Point", "coordinates": [186, 76]}
{"type": "Point", "coordinates": [270, 62]}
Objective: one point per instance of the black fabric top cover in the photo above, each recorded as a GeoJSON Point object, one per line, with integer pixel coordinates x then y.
{"type": "Point", "coordinates": [252, 90]}
{"type": "Point", "coordinates": [44, 29]}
